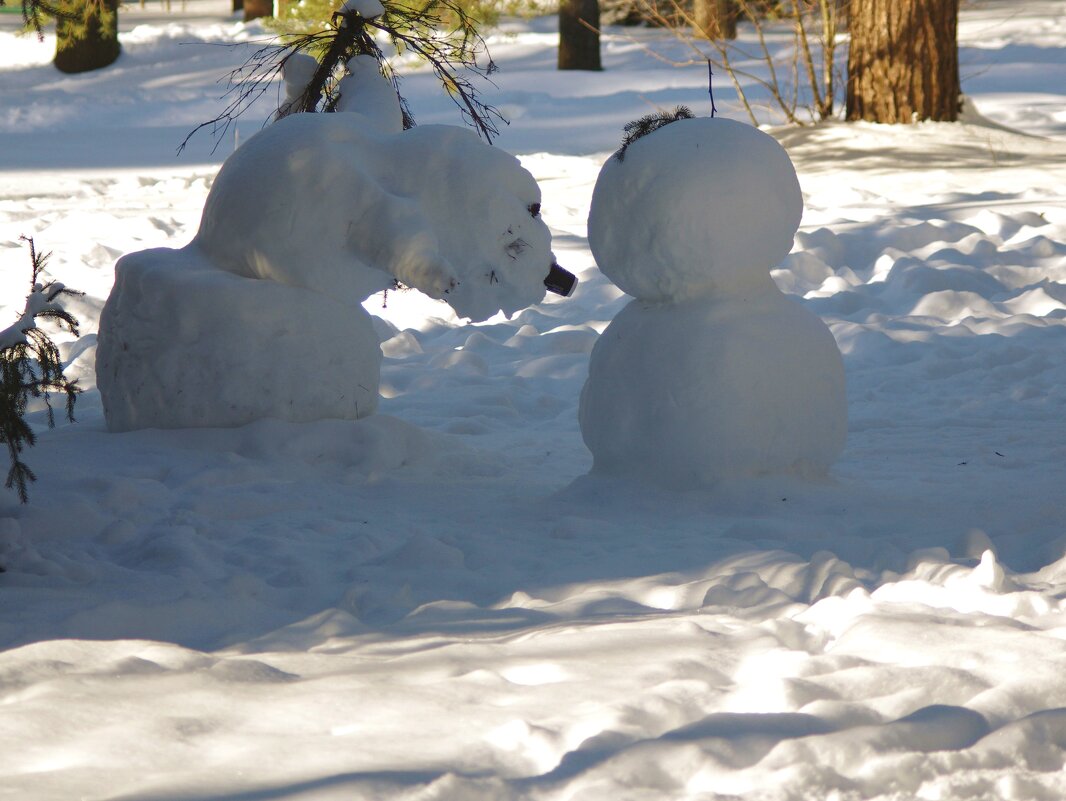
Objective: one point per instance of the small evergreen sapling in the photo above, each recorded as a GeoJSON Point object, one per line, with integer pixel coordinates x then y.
{"type": "Point", "coordinates": [30, 366]}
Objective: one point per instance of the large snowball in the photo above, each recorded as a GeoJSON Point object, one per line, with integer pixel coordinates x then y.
{"type": "Point", "coordinates": [683, 395]}
{"type": "Point", "coordinates": [331, 203]}
{"type": "Point", "coordinates": [698, 207]}
{"type": "Point", "coordinates": [183, 345]}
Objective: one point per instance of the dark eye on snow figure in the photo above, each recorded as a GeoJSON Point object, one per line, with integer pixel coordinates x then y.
{"type": "Point", "coordinates": [534, 210]}
{"type": "Point", "coordinates": [560, 281]}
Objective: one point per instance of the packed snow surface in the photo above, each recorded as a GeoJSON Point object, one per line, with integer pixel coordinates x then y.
{"type": "Point", "coordinates": [325, 202]}
{"type": "Point", "coordinates": [365, 8]}
{"type": "Point", "coordinates": [437, 601]}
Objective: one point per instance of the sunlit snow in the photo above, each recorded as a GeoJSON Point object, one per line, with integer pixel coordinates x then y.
{"type": "Point", "coordinates": [438, 601]}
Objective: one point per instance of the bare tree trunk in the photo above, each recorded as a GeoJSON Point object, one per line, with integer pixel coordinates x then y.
{"type": "Point", "coordinates": [254, 9]}
{"type": "Point", "coordinates": [238, 5]}
{"type": "Point", "coordinates": [715, 19]}
{"type": "Point", "coordinates": [579, 37]}
{"type": "Point", "coordinates": [903, 63]}
{"type": "Point", "coordinates": [90, 41]}
{"type": "Point", "coordinates": [841, 13]}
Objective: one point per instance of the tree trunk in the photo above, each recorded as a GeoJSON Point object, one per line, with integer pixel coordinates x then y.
{"type": "Point", "coordinates": [715, 19]}
{"type": "Point", "coordinates": [254, 9]}
{"type": "Point", "coordinates": [238, 5]}
{"type": "Point", "coordinates": [903, 63]}
{"type": "Point", "coordinates": [579, 36]}
{"type": "Point", "coordinates": [90, 40]}
{"type": "Point", "coordinates": [841, 10]}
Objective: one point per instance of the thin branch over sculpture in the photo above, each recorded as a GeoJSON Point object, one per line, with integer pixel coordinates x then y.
{"type": "Point", "coordinates": [451, 56]}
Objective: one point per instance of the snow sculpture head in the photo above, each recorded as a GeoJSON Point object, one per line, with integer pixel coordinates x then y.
{"type": "Point", "coordinates": [698, 206]}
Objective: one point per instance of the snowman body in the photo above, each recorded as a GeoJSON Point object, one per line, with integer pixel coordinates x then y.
{"type": "Point", "coordinates": [710, 372]}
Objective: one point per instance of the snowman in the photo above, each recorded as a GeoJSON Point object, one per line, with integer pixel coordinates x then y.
{"type": "Point", "coordinates": [711, 372]}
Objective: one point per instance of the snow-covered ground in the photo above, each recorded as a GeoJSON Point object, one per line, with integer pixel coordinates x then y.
{"type": "Point", "coordinates": [436, 602]}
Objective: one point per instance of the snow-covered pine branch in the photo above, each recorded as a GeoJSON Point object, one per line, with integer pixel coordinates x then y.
{"type": "Point", "coordinates": [41, 303]}
{"type": "Point", "coordinates": [30, 366]}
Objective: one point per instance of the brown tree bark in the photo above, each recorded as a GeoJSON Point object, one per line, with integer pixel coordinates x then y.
{"type": "Point", "coordinates": [80, 49]}
{"type": "Point", "coordinates": [579, 36]}
{"type": "Point", "coordinates": [715, 19]}
{"type": "Point", "coordinates": [903, 62]}
{"type": "Point", "coordinates": [254, 9]}
{"type": "Point", "coordinates": [842, 12]}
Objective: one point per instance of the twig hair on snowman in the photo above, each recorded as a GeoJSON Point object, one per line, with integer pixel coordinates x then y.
{"type": "Point", "coordinates": [711, 372]}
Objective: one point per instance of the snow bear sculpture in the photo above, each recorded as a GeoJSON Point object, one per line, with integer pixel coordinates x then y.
{"type": "Point", "coordinates": [711, 372]}
{"type": "Point", "coordinates": [260, 315]}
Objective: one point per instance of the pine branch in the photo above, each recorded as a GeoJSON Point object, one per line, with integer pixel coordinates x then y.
{"type": "Point", "coordinates": [31, 366]}
{"type": "Point", "coordinates": [445, 54]}
{"type": "Point", "coordinates": [36, 12]}
{"type": "Point", "coordinates": [453, 56]}
{"type": "Point", "coordinates": [250, 80]}
{"type": "Point", "coordinates": [649, 124]}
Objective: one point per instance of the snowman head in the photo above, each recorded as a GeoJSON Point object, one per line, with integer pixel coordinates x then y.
{"type": "Point", "coordinates": [696, 208]}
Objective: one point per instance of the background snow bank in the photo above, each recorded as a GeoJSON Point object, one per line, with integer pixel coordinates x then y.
{"type": "Point", "coordinates": [432, 603]}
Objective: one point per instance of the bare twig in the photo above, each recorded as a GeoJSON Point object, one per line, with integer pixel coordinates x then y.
{"type": "Point", "coordinates": [784, 91]}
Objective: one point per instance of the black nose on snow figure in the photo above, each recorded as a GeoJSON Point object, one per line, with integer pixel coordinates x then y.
{"type": "Point", "coordinates": [560, 281]}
